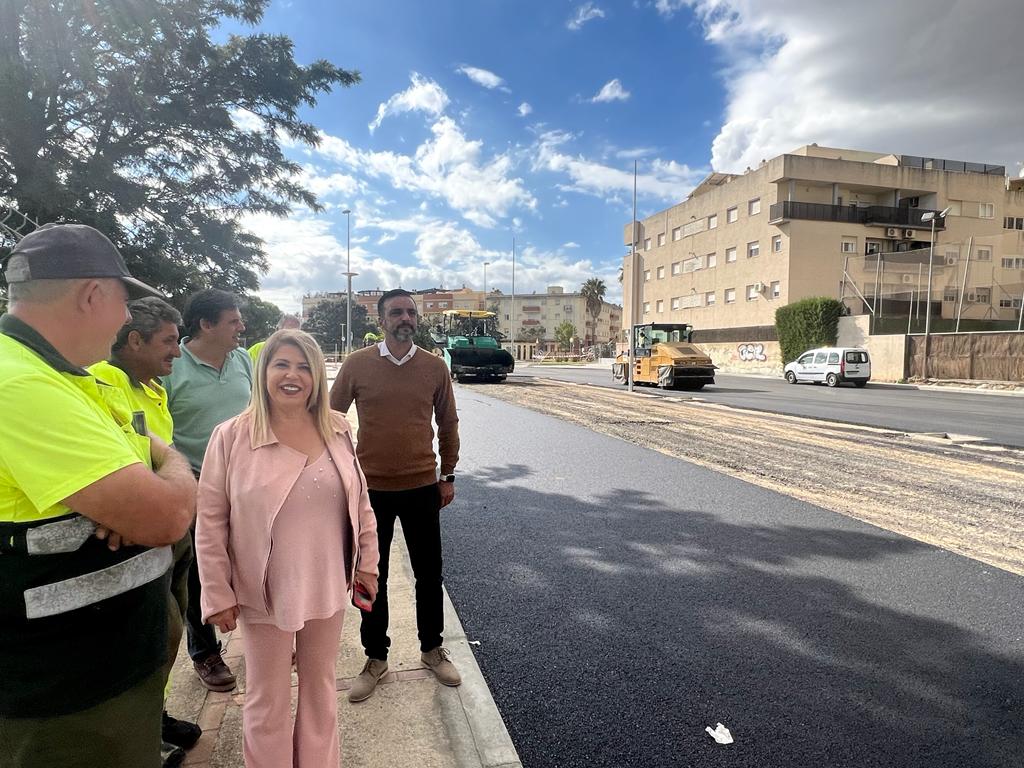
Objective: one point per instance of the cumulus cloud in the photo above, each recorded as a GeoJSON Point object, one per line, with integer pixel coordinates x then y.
{"type": "Point", "coordinates": [664, 180]}
{"type": "Point", "coordinates": [423, 95]}
{"type": "Point", "coordinates": [483, 77]}
{"type": "Point", "coordinates": [584, 13]}
{"type": "Point", "coordinates": [797, 76]}
{"type": "Point", "coordinates": [524, 109]}
{"type": "Point", "coordinates": [611, 91]}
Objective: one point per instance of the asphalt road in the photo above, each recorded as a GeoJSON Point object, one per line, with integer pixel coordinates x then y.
{"type": "Point", "coordinates": [998, 418]}
{"type": "Point", "coordinates": [625, 600]}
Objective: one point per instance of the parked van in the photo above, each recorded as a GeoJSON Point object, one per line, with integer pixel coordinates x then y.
{"type": "Point", "coordinates": [832, 365]}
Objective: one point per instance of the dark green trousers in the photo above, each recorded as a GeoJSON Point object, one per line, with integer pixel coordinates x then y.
{"type": "Point", "coordinates": [177, 605]}
{"type": "Point", "coordinates": [123, 732]}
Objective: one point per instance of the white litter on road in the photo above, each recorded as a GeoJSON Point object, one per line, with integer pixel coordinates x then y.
{"type": "Point", "coordinates": [720, 734]}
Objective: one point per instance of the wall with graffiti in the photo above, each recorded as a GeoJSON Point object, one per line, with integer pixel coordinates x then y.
{"type": "Point", "coordinates": [764, 357]}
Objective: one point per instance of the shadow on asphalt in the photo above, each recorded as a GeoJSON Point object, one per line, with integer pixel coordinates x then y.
{"type": "Point", "coordinates": [613, 631]}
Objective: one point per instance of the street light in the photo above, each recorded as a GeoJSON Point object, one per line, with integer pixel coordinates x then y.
{"type": "Point", "coordinates": [349, 275]}
{"type": "Point", "coordinates": [485, 279]}
{"type": "Point", "coordinates": [930, 216]}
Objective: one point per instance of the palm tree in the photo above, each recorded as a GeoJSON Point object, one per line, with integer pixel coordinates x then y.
{"type": "Point", "coordinates": [593, 293]}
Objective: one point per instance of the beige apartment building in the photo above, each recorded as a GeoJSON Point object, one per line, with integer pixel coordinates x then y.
{"type": "Point", "coordinates": [832, 222]}
{"type": "Point", "coordinates": [548, 310]}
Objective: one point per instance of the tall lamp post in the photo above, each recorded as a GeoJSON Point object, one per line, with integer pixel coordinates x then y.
{"type": "Point", "coordinates": [486, 263]}
{"type": "Point", "coordinates": [930, 216]}
{"type": "Point", "coordinates": [348, 274]}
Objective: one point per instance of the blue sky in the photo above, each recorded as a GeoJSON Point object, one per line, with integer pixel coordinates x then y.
{"type": "Point", "coordinates": [480, 119]}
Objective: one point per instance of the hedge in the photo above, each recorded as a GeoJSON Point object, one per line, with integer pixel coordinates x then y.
{"type": "Point", "coordinates": [807, 324]}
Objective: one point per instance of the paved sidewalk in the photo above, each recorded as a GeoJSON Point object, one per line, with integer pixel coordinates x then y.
{"type": "Point", "coordinates": [411, 719]}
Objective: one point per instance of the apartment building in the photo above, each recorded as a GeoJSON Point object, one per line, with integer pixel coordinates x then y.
{"type": "Point", "coordinates": [524, 316]}
{"type": "Point", "coordinates": [844, 223]}
{"type": "Point", "coordinates": [431, 301]}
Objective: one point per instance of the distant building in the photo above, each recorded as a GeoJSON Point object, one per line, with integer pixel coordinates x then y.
{"type": "Point", "coordinates": [550, 309]}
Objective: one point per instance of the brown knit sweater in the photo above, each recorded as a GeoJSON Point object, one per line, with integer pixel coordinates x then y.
{"type": "Point", "coordinates": [395, 404]}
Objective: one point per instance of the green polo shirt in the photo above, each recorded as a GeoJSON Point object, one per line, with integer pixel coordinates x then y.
{"type": "Point", "coordinates": [200, 398]}
{"type": "Point", "coordinates": [61, 430]}
{"type": "Point", "coordinates": [149, 398]}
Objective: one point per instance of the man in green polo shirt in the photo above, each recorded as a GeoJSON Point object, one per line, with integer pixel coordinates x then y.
{"type": "Point", "coordinates": [145, 349]}
{"type": "Point", "coordinates": [210, 384]}
{"type": "Point", "coordinates": [83, 621]}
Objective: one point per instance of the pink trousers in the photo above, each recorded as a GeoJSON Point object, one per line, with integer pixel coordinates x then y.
{"type": "Point", "coordinates": [269, 738]}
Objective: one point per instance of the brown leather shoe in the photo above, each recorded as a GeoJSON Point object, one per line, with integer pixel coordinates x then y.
{"type": "Point", "coordinates": [215, 673]}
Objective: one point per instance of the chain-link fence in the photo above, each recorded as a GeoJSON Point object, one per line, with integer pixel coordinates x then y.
{"type": "Point", "coordinates": [969, 290]}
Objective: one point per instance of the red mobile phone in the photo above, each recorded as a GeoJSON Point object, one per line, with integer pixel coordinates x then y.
{"type": "Point", "coordinates": [361, 598]}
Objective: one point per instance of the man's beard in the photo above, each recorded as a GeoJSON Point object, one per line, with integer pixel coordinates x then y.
{"type": "Point", "coordinates": [404, 332]}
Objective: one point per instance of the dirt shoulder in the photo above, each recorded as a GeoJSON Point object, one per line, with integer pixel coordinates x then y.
{"type": "Point", "coordinates": [965, 498]}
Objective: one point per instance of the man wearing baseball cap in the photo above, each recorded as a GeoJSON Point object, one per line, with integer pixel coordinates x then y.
{"type": "Point", "coordinates": [89, 503]}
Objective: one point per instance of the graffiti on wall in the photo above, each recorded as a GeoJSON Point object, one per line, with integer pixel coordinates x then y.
{"type": "Point", "coordinates": [751, 353]}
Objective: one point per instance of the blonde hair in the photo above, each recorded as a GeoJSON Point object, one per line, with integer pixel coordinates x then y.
{"type": "Point", "coordinates": [319, 400]}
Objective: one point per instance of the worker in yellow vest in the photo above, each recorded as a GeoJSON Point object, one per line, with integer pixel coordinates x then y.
{"type": "Point", "coordinates": [145, 349]}
{"type": "Point", "coordinates": [89, 506]}
{"type": "Point", "coordinates": [290, 322]}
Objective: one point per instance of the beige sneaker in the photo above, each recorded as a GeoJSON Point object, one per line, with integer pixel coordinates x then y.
{"type": "Point", "coordinates": [362, 686]}
{"type": "Point", "coordinates": [438, 661]}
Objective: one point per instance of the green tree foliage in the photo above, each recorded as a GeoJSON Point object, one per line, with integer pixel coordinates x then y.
{"type": "Point", "coordinates": [593, 291]}
{"type": "Point", "coordinates": [533, 333]}
{"type": "Point", "coordinates": [119, 113]}
{"type": "Point", "coordinates": [326, 323]}
{"type": "Point", "coordinates": [261, 318]}
{"type": "Point", "coordinates": [807, 324]}
{"type": "Point", "coordinates": [565, 333]}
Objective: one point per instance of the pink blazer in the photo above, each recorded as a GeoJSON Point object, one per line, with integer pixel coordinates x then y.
{"type": "Point", "coordinates": [242, 488]}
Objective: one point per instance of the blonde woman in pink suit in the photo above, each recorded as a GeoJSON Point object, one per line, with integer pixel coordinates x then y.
{"type": "Point", "coordinates": [284, 532]}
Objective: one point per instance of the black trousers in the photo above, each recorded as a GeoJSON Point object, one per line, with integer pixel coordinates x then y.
{"type": "Point", "coordinates": [202, 638]}
{"type": "Point", "coordinates": [419, 509]}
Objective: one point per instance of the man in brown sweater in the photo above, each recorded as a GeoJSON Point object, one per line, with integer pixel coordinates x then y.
{"type": "Point", "coordinates": [398, 389]}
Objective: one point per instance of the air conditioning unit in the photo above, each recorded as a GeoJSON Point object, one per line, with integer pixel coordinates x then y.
{"type": "Point", "coordinates": [759, 287]}
{"type": "Point", "coordinates": [892, 232]}
{"type": "Point", "coordinates": [909, 234]}
{"type": "Point", "coordinates": [909, 279]}
{"type": "Point", "coordinates": [951, 260]}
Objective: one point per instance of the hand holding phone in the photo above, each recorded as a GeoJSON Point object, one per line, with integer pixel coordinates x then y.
{"type": "Point", "coordinates": [361, 598]}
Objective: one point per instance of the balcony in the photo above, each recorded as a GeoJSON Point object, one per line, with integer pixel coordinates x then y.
{"type": "Point", "coordinates": [531, 309]}
{"type": "Point", "coordinates": [872, 215]}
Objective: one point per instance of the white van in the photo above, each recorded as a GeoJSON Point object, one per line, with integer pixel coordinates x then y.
{"type": "Point", "coordinates": [833, 365]}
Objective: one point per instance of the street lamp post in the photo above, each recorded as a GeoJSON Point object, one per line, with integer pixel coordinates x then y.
{"type": "Point", "coordinates": [930, 216]}
{"type": "Point", "coordinates": [486, 263]}
{"type": "Point", "coordinates": [349, 275]}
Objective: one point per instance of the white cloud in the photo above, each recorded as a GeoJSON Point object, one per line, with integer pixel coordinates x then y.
{"type": "Point", "coordinates": [326, 184]}
{"type": "Point", "coordinates": [635, 154]}
{"type": "Point", "coordinates": [611, 91]}
{"type": "Point", "coordinates": [664, 180]}
{"type": "Point", "coordinates": [246, 120]}
{"type": "Point", "coordinates": [483, 77]}
{"type": "Point", "coordinates": [524, 109]}
{"type": "Point", "coordinates": [448, 166]}
{"type": "Point", "coordinates": [422, 96]}
{"type": "Point", "coordinates": [570, 244]}
{"type": "Point", "coordinates": [584, 13]}
{"type": "Point", "coordinates": [797, 76]}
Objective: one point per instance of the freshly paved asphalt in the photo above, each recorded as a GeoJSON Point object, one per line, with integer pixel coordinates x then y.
{"type": "Point", "coordinates": [999, 418]}
{"type": "Point", "coordinates": [624, 600]}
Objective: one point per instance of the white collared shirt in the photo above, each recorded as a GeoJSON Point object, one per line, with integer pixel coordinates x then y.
{"type": "Point", "coordinates": [385, 352]}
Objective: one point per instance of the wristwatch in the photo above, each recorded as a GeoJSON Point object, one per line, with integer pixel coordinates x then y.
{"type": "Point", "coordinates": [447, 478]}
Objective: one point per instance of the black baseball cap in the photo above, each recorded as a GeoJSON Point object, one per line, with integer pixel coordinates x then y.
{"type": "Point", "coordinates": [69, 252]}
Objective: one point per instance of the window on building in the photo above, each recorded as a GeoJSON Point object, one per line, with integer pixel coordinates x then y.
{"type": "Point", "coordinates": [677, 234]}
{"type": "Point", "coordinates": [661, 273]}
{"type": "Point", "coordinates": [752, 293]}
{"type": "Point", "coordinates": [731, 215]}
{"type": "Point", "coordinates": [955, 208]}
{"type": "Point", "coordinates": [713, 221]}
{"type": "Point", "coordinates": [983, 295]}
{"type": "Point", "coordinates": [661, 306]}
{"type": "Point", "coordinates": [1009, 303]}
{"type": "Point", "coordinates": [777, 244]}
{"type": "Point", "coordinates": [849, 245]}
{"type": "Point", "coordinates": [647, 244]}
{"type": "Point", "coordinates": [1013, 262]}
{"type": "Point", "coordinates": [754, 206]}
{"type": "Point", "coordinates": [709, 298]}
{"type": "Point", "coordinates": [675, 302]}
{"type": "Point", "coordinates": [950, 294]}
{"type": "Point", "coordinates": [986, 210]}
{"type": "Point", "coordinates": [443, 304]}
{"type": "Point", "coordinates": [712, 260]}
{"type": "Point", "coordinates": [647, 307]}
{"type": "Point", "coordinates": [776, 289]}
{"type": "Point", "coordinates": [872, 246]}
{"type": "Point", "coordinates": [753, 249]}
{"type": "Point", "coordinates": [1012, 222]}
{"type": "Point", "coordinates": [677, 267]}
{"type": "Point", "coordinates": [730, 255]}
{"type": "Point", "coordinates": [647, 275]}
{"type": "Point", "coordinates": [661, 239]}
{"type": "Point", "coordinates": [984, 254]}
{"type": "Point", "coordinates": [430, 305]}
{"type": "Point", "coordinates": [730, 295]}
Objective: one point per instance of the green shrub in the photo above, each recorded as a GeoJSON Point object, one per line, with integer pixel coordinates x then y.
{"type": "Point", "coordinates": [807, 324]}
